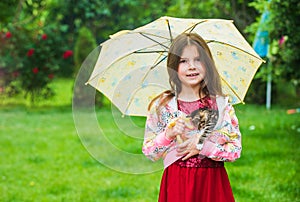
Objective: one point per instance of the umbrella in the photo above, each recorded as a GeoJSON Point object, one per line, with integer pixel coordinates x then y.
{"type": "Point", "coordinates": [261, 41]}
{"type": "Point", "coordinates": [261, 46]}
{"type": "Point", "coordinates": [131, 67]}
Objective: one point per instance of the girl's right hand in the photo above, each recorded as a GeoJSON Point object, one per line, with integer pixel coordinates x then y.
{"type": "Point", "coordinates": [178, 128]}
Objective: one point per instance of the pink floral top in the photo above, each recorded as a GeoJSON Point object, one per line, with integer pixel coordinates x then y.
{"type": "Point", "coordinates": [223, 144]}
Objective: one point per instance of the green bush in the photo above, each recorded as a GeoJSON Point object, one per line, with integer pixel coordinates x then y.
{"type": "Point", "coordinates": [31, 59]}
{"type": "Point", "coordinates": [84, 45]}
{"type": "Point", "coordinates": [85, 57]}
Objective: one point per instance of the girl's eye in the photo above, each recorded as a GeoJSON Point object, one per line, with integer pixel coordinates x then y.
{"type": "Point", "coordinates": [183, 61]}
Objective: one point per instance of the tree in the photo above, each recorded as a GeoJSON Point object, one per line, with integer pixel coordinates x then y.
{"type": "Point", "coordinates": [238, 11]}
{"type": "Point", "coordinates": [105, 17]}
{"type": "Point", "coordinates": [283, 27]}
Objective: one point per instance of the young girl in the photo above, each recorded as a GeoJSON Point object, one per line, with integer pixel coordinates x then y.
{"type": "Point", "coordinates": [194, 170]}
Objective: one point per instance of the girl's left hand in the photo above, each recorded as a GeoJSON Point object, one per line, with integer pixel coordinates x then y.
{"type": "Point", "coordinates": [188, 147]}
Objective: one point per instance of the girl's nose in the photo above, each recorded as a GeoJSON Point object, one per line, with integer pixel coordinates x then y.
{"type": "Point", "coordinates": [192, 65]}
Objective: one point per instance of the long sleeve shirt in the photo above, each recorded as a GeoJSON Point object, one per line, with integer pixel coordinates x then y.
{"type": "Point", "coordinates": [223, 144]}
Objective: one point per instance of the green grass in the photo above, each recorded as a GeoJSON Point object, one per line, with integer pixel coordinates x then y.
{"type": "Point", "coordinates": [267, 170]}
{"type": "Point", "coordinates": [43, 159]}
{"type": "Point", "coordinates": [63, 90]}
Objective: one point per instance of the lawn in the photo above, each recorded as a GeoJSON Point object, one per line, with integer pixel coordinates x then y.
{"type": "Point", "coordinates": [46, 156]}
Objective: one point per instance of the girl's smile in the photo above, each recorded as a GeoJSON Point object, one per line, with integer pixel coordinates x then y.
{"type": "Point", "coordinates": [192, 75]}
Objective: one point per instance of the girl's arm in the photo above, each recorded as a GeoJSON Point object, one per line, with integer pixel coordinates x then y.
{"type": "Point", "coordinates": [224, 143]}
{"type": "Point", "coordinates": [155, 141]}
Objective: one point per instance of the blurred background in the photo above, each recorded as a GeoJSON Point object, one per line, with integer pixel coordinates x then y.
{"type": "Point", "coordinates": [43, 44]}
{"type": "Point", "coordinates": [46, 39]}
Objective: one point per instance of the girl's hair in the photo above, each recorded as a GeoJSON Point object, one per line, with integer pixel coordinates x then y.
{"type": "Point", "coordinates": [211, 84]}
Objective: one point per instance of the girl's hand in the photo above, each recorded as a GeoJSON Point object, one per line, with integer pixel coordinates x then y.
{"type": "Point", "coordinates": [177, 128]}
{"type": "Point", "coordinates": [188, 147]}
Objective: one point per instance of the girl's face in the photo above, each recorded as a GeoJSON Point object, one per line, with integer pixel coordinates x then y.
{"type": "Point", "coordinates": [191, 71]}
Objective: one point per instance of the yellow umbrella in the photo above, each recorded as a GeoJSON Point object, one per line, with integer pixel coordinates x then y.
{"type": "Point", "coordinates": [131, 67]}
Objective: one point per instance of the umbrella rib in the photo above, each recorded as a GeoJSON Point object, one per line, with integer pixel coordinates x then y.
{"type": "Point", "coordinates": [232, 89]}
{"type": "Point", "coordinates": [95, 76]}
{"type": "Point", "coordinates": [202, 21]}
{"type": "Point", "coordinates": [193, 26]}
{"type": "Point", "coordinates": [214, 41]}
{"type": "Point", "coordinates": [158, 51]}
{"type": "Point", "coordinates": [153, 40]}
{"type": "Point", "coordinates": [170, 32]}
{"type": "Point", "coordinates": [150, 34]}
{"type": "Point", "coordinates": [154, 51]}
{"type": "Point", "coordinates": [143, 79]}
{"type": "Point", "coordinates": [150, 51]}
{"type": "Point", "coordinates": [153, 66]}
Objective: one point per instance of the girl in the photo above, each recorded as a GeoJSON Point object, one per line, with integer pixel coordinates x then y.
{"type": "Point", "coordinates": [194, 170]}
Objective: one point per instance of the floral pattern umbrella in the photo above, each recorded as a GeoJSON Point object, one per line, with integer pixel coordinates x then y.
{"type": "Point", "coordinates": [131, 67]}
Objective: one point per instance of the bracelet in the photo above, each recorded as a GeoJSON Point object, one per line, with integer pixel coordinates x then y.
{"type": "Point", "coordinates": [199, 146]}
{"type": "Point", "coordinates": [195, 132]}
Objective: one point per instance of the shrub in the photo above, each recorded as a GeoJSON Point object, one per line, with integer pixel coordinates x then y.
{"type": "Point", "coordinates": [84, 45]}
{"type": "Point", "coordinates": [85, 59]}
{"type": "Point", "coordinates": [31, 59]}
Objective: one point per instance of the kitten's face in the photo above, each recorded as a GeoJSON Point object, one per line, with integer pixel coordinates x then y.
{"type": "Point", "coordinates": [204, 118]}
{"type": "Point", "coordinates": [200, 119]}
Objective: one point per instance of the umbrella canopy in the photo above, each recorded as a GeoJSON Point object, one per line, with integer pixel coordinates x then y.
{"type": "Point", "coordinates": [131, 67]}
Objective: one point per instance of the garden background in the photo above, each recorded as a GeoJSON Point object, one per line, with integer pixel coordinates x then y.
{"type": "Point", "coordinates": [42, 47]}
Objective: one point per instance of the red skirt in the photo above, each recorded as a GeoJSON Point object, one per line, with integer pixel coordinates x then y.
{"type": "Point", "coordinates": [195, 184]}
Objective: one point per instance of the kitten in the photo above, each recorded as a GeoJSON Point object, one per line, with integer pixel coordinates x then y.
{"type": "Point", "coordinates": [204, 119]}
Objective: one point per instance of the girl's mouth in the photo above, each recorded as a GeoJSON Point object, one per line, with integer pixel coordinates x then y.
{"type": "Point", "coordinates": [192, 75]}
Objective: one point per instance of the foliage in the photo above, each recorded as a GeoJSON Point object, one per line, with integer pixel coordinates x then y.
{"type": "Point", "coordinates": [283, 27]}
{"type": "Point", "coordinates": [86, 54]}
{"type": "Point", "coordinates": [239, 11]}
{"type": "Point", "coordinates": [42, 63]}
{"type": "Point", "coordinates": [29, 18]}
{"type": "Point", "coordinates": [32, 52]}
{"type": "Point", "coordinates": [105, 17]}
{"type": "Point", "coordinates": [11, 60]}
{"type": "Point", "coordinates": [84, 45]}
{"type": "Point", "coordinates": [32, 66]}
{"type": "Point", "coordinates": [8, 9]}
{"type": "Point", "coordinates": [285, 31]}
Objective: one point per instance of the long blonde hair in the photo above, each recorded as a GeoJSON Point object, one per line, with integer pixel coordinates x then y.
{"type": "Point", "coordinates": [211, 84]}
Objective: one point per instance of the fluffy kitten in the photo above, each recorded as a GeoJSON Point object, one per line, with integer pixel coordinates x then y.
{"type": "Point", "coordinates": [205, 120]}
